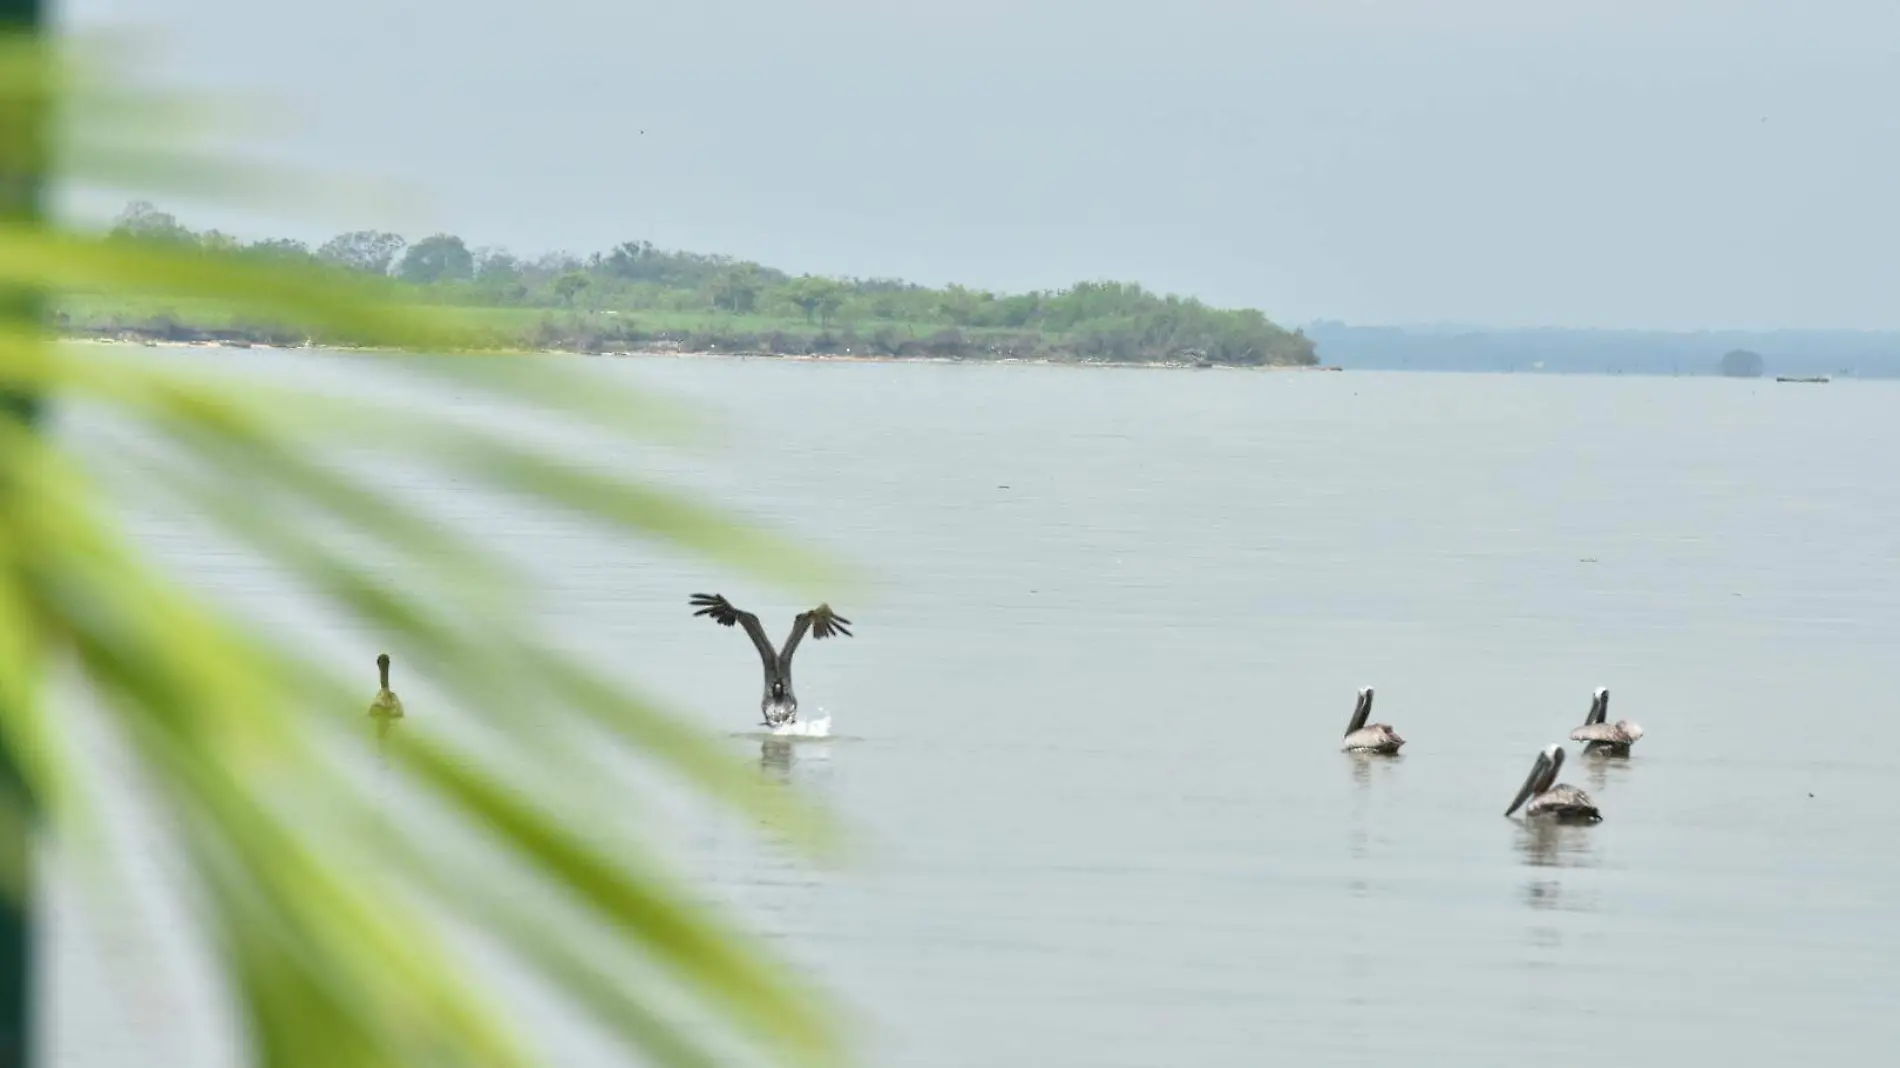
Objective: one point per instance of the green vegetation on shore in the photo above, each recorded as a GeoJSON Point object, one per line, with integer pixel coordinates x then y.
{"type": "Point", "coordinates": [637, 297]}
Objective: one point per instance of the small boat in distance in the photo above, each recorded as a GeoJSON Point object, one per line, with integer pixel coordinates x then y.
{"type": "Point", "coordinates": [1801, 378]}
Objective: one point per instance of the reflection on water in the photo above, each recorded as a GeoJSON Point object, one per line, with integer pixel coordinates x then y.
{"type": "Point", "coordinates": [775, 757]}
{"type": "Point", "coordinates": [1369, 772]}
{"type": "Point", "coordinates": [802, 764]}
{"type": "Point", "coordinates": [1546, 843]}
{"type": "Point", "coordinates": [1548, 847]}
{"type": "Point", "coordinates": [381, 727]}
{"type": "Point", "coordinates": [1356, 835]}
{"type": "Point", "coordinates": [1364, 761]}
{"type": "Point", "coordinates": [1359, 976]}
{"type": "Point", "coordinates": [1602, 769]}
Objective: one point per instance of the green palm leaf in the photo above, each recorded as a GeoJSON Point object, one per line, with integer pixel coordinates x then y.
{"type": "Point", "coordinates": [334, 922]}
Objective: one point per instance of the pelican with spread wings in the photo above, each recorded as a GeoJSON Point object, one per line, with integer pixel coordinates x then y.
{"type": "Point", "coordinates": [778, 705]}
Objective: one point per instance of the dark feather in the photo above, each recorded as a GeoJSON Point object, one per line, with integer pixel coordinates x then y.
{"type": "Point", "coordinates": [716, 606]}
{"type": "Point", "coordinates": [825, 623]}
{"type": "Point", "coordinates": [721, 611]}
{"type": "Point", "coordinates": [822, 622]}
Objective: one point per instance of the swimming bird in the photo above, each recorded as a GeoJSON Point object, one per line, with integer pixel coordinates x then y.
{"type": "Point", "coordinates": [1550, 799]}
{"type": "Point", "coordinates": [778, 704]}
{"type": "Point", "coordinates": [1377, 738]}
{"type": "Point", "coordinates": [387, 705]}
{"type": "Point", "coordinates": [1605, 739]}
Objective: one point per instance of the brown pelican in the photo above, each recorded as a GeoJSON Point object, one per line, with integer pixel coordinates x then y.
{"type": "Point", "coordinates": [778, 705]}
{"type": "Point", "coordinates": [1376, 738]}
{"type": "Point", "coordinates": [387, 705]}
{"type": "Point", "coordinates": [1550, 799]}
{"type": "Point", "coordinates": [1606, 739]}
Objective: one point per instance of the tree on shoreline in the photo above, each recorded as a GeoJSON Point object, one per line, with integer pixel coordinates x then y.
{"type": "Point", "coordinates": [142, 221]}
{"type": "Point", "coordinates": [1089, 320]}
{"type": "Point", "coordinates": [737, 290]}
{"type": "Point", "coordinates": [364, 251]}
{"type": "Point", "coordinates": [569, 286]}
{"type": "Point", "coordinates": [1741, 363]}
{"type": "Point", "coordinates": [438, 258]}
{"type": "Point", "coordinates": [820, 297]}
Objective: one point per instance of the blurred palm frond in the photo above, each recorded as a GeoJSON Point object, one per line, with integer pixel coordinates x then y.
{"type": "Point", "coordinates": [336, 923]}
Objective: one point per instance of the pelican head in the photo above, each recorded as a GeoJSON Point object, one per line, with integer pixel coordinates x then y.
{"type": "Point", "coordinates": [1599, 706]}
{"type": "Point", "coordinates": [382, 668]}
{"type": "Point", "coordinates": [1543, 774]}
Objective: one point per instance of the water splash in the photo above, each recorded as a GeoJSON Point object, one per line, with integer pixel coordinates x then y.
{"type": "Point", "coordinates": [820, 727]}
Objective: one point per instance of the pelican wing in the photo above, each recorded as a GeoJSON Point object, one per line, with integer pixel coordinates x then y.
{"type": "Point", "coordinates": [1564, 802]}
{"type": "Point", "coordinates": [722, 612]}
{"type": "Point", "coordinates": [821, 621]}
{"type": "Point", "coordinates": [1378, 738]}
{"type": "Point", "coordinates": [1601, 732]}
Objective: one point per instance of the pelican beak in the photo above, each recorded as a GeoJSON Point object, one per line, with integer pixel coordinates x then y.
{"type": "Point", "coordinates": [1530, 782]}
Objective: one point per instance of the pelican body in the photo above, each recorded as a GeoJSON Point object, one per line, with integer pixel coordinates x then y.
{"type": "Point", "coordinates": [1369, 738]}
{"type": "Point", "coordinates": [1550, 799]}
{"type": "Point", "coordinates": [386, 705]}
{"type": "Point", "coordinates": [1605, 739]}
{"type": "Point", "coordinates": [778, 706]}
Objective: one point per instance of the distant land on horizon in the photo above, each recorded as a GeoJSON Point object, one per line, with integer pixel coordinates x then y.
{"type": "Point", "coordinates": [1560, 350]}
{"type": "Point", "coordinates": [634, 297]}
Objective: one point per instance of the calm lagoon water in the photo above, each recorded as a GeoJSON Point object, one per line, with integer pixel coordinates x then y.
{"type": "Point", "coordinates": [1088, 725]}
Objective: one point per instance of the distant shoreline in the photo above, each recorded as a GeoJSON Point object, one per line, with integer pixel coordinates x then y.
{"type": "Point", "coordinates": [128, 338]}
{"type": "Point", "coordinates": [1835, 354]}
{"type": "Point", "coordinates": [636, 297]}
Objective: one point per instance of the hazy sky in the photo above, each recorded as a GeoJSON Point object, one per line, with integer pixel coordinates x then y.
{"type": "Point", "coordinates": [1646, 163]}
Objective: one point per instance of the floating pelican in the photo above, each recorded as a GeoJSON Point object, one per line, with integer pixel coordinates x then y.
{"type": "Point", "coordinates": [778, 705]}
{"type": "Point", "coordinates": [1606, 739]}
{"type": "Point", "coordinates": [1376, 738]}
{"type": "Point", "coordinates": [387, 705]}
{"type": "Point", "coordinates": [1550, 799]}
